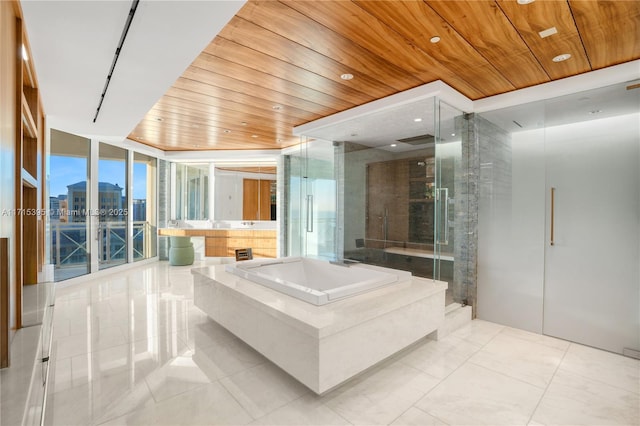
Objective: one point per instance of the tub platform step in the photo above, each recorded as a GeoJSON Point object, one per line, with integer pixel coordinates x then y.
{"type": "Point", "coordinates": [455, 316]}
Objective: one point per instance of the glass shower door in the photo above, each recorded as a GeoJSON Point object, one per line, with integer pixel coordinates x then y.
{"type": "Point", "coordinates": [451, 236]}
{"type": "Point", "coordinates": [311, 201]}
{"type": "Point", "coordinates": [319, 207]}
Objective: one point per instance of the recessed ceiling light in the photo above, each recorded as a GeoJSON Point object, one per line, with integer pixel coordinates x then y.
{"type": "Point", "coordinates": [254, 136]}
{"type": "Point", "coordinates": [226, 131]}
{"type": "Point", "coordinates": [525, 1]}
{"type": "Point", "coordinates": [595, 111]}
{"type": "Point", "coordinates": [279, 140]}
{"type": "Point", "coordinates": [548, 32]}
{"type": "Point", "coordinates": [562, 57]}
{"type": "Point", "coordinates": [244, 123]}
{"type": "Point", "coordinates": [159, 119]}
{"type": "Point", "coordinates": [434, 39]}
{"type": "Point", "coordinates": [354, 134]}
{"type": "Point", "coordinates": [453, 134]}
{"type": "Point", "coordinates": [346, 76]}
{"type": "Point", "coordinates": [417, 120]}
{"type": "Point", "coordinates": [393, 145]}
{"type": "Point", "coordinates": [140, 138]}
{"type": "Point", "coordinates": [277, 107]}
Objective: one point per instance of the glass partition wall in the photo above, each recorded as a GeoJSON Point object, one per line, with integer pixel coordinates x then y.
{"type": "Point", "coordinates": [311, 200]}
{"type": "Point", "coordinates": [381, 189]}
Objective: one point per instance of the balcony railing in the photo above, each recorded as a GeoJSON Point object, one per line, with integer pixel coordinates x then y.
{"type": "Point", "coordinates": [69, 243]}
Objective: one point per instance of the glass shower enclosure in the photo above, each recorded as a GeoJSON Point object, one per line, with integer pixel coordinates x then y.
{"type": "Point", "coordinates": [380, 189]}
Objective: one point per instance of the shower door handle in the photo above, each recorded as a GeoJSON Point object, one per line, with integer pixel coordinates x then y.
{"type": "Point", "coordinates": [309, 213]}
{"type": "Point", "coordinates": [552, 217]}
{"type": "Point", "coordinates": [446, 215]}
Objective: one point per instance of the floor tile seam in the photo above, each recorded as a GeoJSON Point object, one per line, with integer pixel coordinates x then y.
{"type": "Point", "coordinates": [464, 359]}
{"type": "Point", "coordinates": [122, 415]}
{"type": "Point", "coordinates": [156, 401]}
{"type": "Point", "coordinates": [305, 394]}
{"type": "Point", "coordinates": [427, 374]}
{"type": "Point", "coordinates": [441, 381]}
{"type": "Point", "coordinates": [546, 389]}
{"type": "Point", "coordinates": [306, 390]}
{"type": "Point", "coordinates": [542, 388]}
{"type": "Point", "coordinates": [565, 370]}
{"type": "Point", "coordinates": [537, 343]}
{"type": "Point", "coordinates": [106, 418]}
{"type": "Point", "coordinates": [56, 359]}
{"type": "Point", "coordinates": [421, 410]}
{"type": "Point", "coordinates": [240, 404]}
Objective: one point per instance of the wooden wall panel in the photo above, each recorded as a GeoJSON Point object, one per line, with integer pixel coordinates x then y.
{"type": "Point", "coordinates": [264, 200]}
{"type": "Point", "coordinates": [5, 297]}
{"type": "Point", "coordinates": [8, 120]}
{"type": "Point", "coordinates": [250, 194]}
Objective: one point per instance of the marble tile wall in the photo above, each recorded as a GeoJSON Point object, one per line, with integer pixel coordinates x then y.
{"type": "Point", "coordinates": [164, 206]}
{"type": "Point", "coordinates": [484, 172]}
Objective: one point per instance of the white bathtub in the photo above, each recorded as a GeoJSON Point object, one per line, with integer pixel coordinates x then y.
{"type": "Point", "coordinates": [316, 281]}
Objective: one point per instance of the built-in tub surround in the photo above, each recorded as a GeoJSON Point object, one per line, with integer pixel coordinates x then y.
{"type": "Point", "coordinates": [316, 281]}
{"type": "Point", "coordinates": [321, 346]}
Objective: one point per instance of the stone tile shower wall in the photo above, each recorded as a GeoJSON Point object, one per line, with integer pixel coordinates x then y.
{"type": "Point", "coordinates": [164, 205]}
{"type": "Point", "coordinates": [484, 173]}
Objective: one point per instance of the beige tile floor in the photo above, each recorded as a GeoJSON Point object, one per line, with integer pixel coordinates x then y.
{"type": "Point", "coordinates": [132, 348]}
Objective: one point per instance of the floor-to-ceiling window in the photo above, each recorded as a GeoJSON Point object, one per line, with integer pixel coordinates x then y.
{"type": "Point", "coordinates": [113, 205]}
{"type": "Point", "coordinates": [143, 212]}
{"type": "Point", "coordinates": [102, 205]}
{"type": "Point", "coordinates": [69, 205]}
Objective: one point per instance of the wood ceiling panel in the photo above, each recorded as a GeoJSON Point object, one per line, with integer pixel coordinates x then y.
{"type": "Point", "coordinates": [262, 79]}
{"type": "Point", "coordinates": [281, 19]}
{"type": "Point", "coordinates": [262, 40]}
{"type": "Point", "coordinates": [259, 61]}
{"type": "Point", "coordinates": [213, 117]}
{"type": "Point", "coordinates": [238, 107]}
{"type": "Point", "coordinates": [209, 137]}
{"type": "Point", "coordinates": [351, 21]}
{"type": "Point", "coordinates": [291, 52]}
{"type": "Point", "coordinates": [610, 30]}
{"type": "Point", "coordinates": [263, 170]}
{"type": "Point", "coordinates": [225, 95]}
{"type": "Point", "coordinates": [417, 22]}
{"type": "Point", "coordinates": [484, 26]}
{"type": "Point", "coordinates": [531, 19]}
{"type": "Point", "coordinates": [272, 96]}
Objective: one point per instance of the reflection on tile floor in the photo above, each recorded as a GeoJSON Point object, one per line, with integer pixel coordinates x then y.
{"type": "Point", "coordinates": [132, 348]}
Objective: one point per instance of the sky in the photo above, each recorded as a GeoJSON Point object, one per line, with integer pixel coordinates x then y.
{"type": "Point", "coordinates": [69, 170]}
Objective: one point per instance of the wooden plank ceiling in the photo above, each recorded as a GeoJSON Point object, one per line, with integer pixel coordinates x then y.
{"type": "Point", "coordinates": [278, 64]}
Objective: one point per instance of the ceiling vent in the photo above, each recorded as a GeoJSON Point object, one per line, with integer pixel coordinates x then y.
{"type": "Point", "coordinates": [418, 140]}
